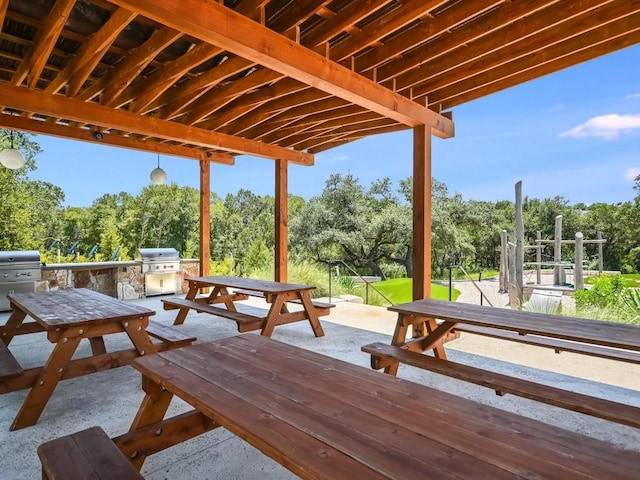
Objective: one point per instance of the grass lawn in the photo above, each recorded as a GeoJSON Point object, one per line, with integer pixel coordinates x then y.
{"type": "Point", "coordinates": [399, 290]}
{"type": "Point", "coordinates": [630, 280]}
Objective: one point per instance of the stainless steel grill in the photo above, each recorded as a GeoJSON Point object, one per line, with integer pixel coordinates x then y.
{"type": "Point", "coordinates": [160, 266]}
{"type": "Point", "coordinates": [19, 271]}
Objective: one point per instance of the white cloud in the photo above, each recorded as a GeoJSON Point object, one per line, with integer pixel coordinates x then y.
{"type": "Point", "coordinates": [608, 127]}
{"type": "Point", "coordinates": [631, 173]}
{"type": "Point", "coordinates": [633, 96]}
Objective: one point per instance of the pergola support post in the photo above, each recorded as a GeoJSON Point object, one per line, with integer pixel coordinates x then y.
{"type": "Point", "coordinates": [421, 212]}
{"type": "Point", "coordinates": [281, 221]}
{"type": "Point", "coordinates": [205, 215]}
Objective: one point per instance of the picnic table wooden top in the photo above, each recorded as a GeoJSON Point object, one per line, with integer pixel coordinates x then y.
{"type": "Point", "coordinates": [266, 286]}
{"type": "Point", "coordinates": [610, 334]}
{"type": "Point", "coordinates": [284, 400]}
{"type": "Point", "coordinates": [64, 308]}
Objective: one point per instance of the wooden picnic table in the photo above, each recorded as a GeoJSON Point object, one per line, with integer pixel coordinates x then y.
{"type": "Point", "coordinates": [324, 418]}
{"type": "Point", "coordinates": [277, 294]}
{"type": "Point", "coordinates": [431, 320]}
{"type": "Point", "coordinates": [68, 316]}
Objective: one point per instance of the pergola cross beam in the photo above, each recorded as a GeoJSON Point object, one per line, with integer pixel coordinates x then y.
{"type": "Point", "coordinates": [94, 114]}
{"type": "Point", "coordinates": [215, 24]}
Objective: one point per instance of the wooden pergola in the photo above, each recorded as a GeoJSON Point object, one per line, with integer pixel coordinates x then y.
{"type": "Point", "coordinates": [208, 80]}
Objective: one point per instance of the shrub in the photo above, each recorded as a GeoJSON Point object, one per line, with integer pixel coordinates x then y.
{"type": "Point", "coordinates": [604, 292]}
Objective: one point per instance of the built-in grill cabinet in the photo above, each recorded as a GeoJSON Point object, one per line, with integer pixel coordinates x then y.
{"type": "Point", "coordinates": [19, 272]}
{"type": "Point", "coordinates": [160, 266]}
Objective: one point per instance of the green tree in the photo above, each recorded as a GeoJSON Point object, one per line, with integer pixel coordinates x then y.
{"type": "Point", "coordinates": [28, 208]}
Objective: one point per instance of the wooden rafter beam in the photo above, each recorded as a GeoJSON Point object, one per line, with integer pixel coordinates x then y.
{"type": "Point", "coordinates": [422, 32]}
{"type": "Point", "coordinates": [528, 34]}
{"type": "Point", "coordinates": [215, 24]}
{"type": "Point", "coordinates": [225, 94]}
{"type": "Point", "coordinates": [252, 101]}
{"type": "Point", "coordinates": [407, 12]}
{"type": "Point", "coordinates": [156, 84]}
{"type": "Point", "coordinates": [79, 69]}
{"type": "Point", "coordinates": [91, 113]}
{"type": "Point", "coordinates": [544, 41]}
{"type": "Point", "coordinates": [444, 45]}
{"type": "Point", "coordinates": [614, 37]}
{"type": "Point", "coordinates": [260, 124]}
{"type": "Point", "coordinates": [46, 39]}
{"type": "Point", "coordinates": [86, 135]}
{"type": "Point", "coordinates": [177, 99]}
{"type": "Point", "coordinates": [119, 78]}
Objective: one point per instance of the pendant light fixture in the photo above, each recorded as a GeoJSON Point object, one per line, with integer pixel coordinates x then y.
{"type": "Point", "coordinates": [11, 157]}
{"type": "Point", "coordinates": [158, 175]}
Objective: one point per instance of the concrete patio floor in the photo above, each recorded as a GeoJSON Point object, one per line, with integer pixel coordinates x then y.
{"type": "Point", "coordinates": [110, 399]}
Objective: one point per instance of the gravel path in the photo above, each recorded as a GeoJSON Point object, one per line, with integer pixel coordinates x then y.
{"type": "Point", "coordinates": [470, 293]}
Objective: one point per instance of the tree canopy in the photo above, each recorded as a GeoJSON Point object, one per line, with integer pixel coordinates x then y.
{"type": "Point", "coordinates": [367, 227]}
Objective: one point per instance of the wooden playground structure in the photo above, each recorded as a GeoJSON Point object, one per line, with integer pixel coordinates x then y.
{"type": "Point", "coordinates": [512, 264]}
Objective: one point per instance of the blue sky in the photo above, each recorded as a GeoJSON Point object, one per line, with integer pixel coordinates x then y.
{"type": "Point", "coordinates": [575, 133]}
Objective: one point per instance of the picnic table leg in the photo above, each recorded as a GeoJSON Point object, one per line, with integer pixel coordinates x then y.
{"type": "Point", "coordinates": [184, 311]}
{"type": "Point", "coordinates": [9, 328]}
{"type": "Point", "coordinates": [438, 348]}
{"type": "Point", "coordinates": [223, 294]}
{"type": "Point", "coordinates": [272, 317]}
{"type": "Point", "coordinates": [399, 337]}
{"type": "Point", "coordinates": [97, 345]}
{"type": "Point", "coordinates": [139, 336]}
{"type": "Point", "coordinates": [305, 298]}
{"type": "Point", "coordinates": [47, 380]}
{"type": "Point", "coordinates": [153, 409]}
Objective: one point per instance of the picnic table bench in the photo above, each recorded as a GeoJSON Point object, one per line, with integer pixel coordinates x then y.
{"type": "Point", "coordinates": [277, 294]}
{"type": "Point", "coordinates": [275, 397]}
{"type": "Point", "coordinates": [432, 320]}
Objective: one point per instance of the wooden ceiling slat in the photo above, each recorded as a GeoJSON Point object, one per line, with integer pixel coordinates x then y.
{"type": "Point", "coordinates": [221, 26]}
{"type": "Point", "coordinates": [45, 40]}
{"type": "Point", "coordinates": [297, 14]}
{"type": "Point", "coordinates": [350, 15]}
